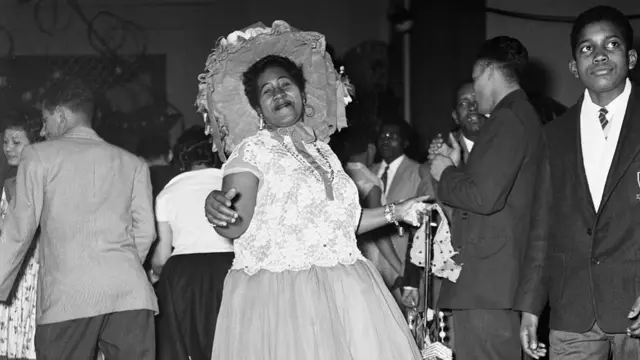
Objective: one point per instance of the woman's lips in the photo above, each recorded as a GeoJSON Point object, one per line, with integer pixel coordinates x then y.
{"type": "Point", "coordinates": [281, 105]}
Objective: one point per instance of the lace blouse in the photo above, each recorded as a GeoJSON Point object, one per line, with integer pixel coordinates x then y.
{"type": "Point", "coordinates": [295, 225]}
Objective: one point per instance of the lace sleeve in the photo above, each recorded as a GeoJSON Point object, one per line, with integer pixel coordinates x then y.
{"type": "Point", "coordinates": [244, 158]}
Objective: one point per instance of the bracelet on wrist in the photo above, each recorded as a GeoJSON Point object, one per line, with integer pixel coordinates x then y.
{"type": "Point", "coordinates": [390, 214]}
{"type": "Point", "coordinates": [391, 217]}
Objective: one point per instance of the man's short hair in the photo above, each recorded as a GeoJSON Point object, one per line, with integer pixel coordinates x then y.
{"type": "Point", "coordinates": [506, 53]}
{"type": "Point", "coordinates": [71, 93]}
{"type": "Point", "coordinates": [599, 14]}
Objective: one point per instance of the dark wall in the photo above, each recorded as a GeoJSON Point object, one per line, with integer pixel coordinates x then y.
{"type": "Point", "coordinates": [444, 41]}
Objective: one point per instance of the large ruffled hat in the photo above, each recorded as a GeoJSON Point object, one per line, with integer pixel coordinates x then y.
{"type": "Point", "coordinates": [229, 117]}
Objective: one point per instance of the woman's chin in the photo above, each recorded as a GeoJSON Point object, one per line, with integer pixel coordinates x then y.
{"type": "Point", "coordinates": [285, 120]}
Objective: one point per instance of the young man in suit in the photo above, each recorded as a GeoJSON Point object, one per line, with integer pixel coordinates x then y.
{"type": "Point", "coordinates": [491, 195]}
{"type": "Point", "coordinates": [584, 255]}
{"type": "Point", "coordinates": [92, 202]}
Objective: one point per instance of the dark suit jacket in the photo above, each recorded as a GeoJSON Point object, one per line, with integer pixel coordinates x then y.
{"type": "Point", "coordinates": [429, 186]}
{"type": "Point", "coordinates": [586, 262]}
{"type": "Point", "coordinates": [491, 196]}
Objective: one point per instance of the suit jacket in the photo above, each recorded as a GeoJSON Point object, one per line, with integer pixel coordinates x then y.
{"type": "Point", "coordinates": [93, 204]}
{"type": "Point", "coordinates": [404, 186]}
{"type": "Point", "coordinates": [491, 196]}
{"type": "Point", "coordinates": [585, 261]}
{"type": "Point", "coordinates": [429, 186]}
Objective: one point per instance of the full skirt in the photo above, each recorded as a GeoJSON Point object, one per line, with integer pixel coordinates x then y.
{"type": "Point", "coordinates": [344, 312]}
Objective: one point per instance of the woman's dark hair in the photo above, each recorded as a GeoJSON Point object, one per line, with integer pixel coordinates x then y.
{"type": "Point", "coordinates": [599, 14]}
{"type": "Point", "coordinates": [30, 121]}
{"type": "Point", "coordinates": [250, 77]}
{"type": "Point", "coordinates": [508, 54]}
{"type": "Point", "coordinates": [194, 148]}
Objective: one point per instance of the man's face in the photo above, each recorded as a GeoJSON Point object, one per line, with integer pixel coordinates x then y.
{"type": "Point", "coordinates": [483, 86]}
{"type": "Point", "coordinates": [602, 60]}
{"type": "Point", "coordinates": [391, 143]}
{"type": "Point", "coordinates": [466, 113]}
{"type": "Point", "coordinates": [52, 123]}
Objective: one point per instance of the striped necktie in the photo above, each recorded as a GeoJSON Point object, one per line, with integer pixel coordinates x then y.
{"type": "Point", "coordinates": [602, 116]}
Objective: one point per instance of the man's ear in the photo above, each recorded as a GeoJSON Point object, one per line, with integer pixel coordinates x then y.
{"type": "Point", "coordinates": [573, 68]}
{"type": "Point", "coordinates": [633, 59]}
{"type": "Point", "coordinates": [62, 114]}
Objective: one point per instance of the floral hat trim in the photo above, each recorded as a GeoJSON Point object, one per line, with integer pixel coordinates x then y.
{"type": "Point", "coordinates": [221, 99]}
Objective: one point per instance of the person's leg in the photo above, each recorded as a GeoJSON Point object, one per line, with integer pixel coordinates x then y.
{"type": "Point", "coordinates": [486, 334]}
{"type": "Point", "coordinates": [74, 339]}
{"type": "Point", "coordinates": [592, 345]}
{"type": "Point", "coordinates": [204, 302]}
{"type": "Point", "coordinates": [624, 347]}
{"type": "Point", "coordinates": [171, 342]}
{"type": "Point", "coordinates": [129, 335]}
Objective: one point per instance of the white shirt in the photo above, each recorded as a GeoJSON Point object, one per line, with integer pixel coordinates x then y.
{"type": "Point", "coordinates": [391, 173]}
{"type": "Point", "coordinates": [468, 143]}
{"type": "Point", "coordinates": [598, 150]}
{"type": "Point", "coordinates": [181, 204]}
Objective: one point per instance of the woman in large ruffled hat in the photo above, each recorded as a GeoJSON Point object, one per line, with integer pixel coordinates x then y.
{"type": "Point", "coordinates": [299, 287]}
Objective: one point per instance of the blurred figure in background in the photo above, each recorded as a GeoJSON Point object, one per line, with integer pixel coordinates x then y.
{"type": "Point", "coordinates": [18, 314]}
{"type": "Point", "coordinates": [155, 149]}
{"type": "Point", "coordinates": [191, 259]}
{"type": "Point", "coordinates": [359, 150]}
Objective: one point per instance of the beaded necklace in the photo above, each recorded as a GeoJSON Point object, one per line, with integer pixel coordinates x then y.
{"type": "Point", "coordinates": [319, 172]}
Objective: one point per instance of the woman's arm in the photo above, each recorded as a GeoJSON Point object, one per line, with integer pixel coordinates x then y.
{"type": "Point", "coordinates": [384, 245]}
{"type": "Point", "coordinates": [371, 220]}
{"type": "Point", "coordinates": [164, 247]}
{"type": "Point", "coordinates": [246, 184]}
{"type": "Point", "coordinates": [374, 218]}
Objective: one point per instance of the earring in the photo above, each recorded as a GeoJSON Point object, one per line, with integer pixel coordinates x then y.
{"type": "Point", "coordinates": [309, 111]}
{"type": "Point", "coordinates": [261, 124]}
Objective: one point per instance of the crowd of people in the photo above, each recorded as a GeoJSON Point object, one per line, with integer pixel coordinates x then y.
{"type": "Point", "coordinates": [280, 238]}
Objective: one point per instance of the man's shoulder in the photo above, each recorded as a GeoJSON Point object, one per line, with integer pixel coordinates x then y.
{"type": "Point", "coordinates": [565, 123]}
{"type": "Point", "coordinates": [411, 165]}
{"type": "Point", "coordinates": [49, 150]}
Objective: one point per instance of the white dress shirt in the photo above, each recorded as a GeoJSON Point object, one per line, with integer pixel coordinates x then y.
{"type": "Point", "coordinates": [468, 143]}
{"type": "Point", "coordinates": [391, 173]}
{"type": "Point", "coordinates": [180, 204]}
{"type": "Point", "coordinates": [598, 149]}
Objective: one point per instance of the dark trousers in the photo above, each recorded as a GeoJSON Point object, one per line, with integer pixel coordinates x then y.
{"type": "Point", "coordinates": [486, 335]}
{"type": "Point", "coordinates": [595, 344]}
{"type": "Point", "coordinates": [126, 335]}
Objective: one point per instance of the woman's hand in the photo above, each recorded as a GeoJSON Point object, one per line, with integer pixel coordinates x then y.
{"type": "Point", "coordinates": [411, 211]}
{"type": "Point", "coordinates": [218, 208]}
{"type": "Point", "coordinates": [153, 277]}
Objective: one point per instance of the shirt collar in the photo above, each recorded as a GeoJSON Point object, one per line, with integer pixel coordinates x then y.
{"type": "Point", "coordinates": [81, 132]}
{"type": "Point", "coordinates": [617, 106]}
{"type": "Point", "coordinates": [515, 95]}
{"type": "Point", "coordinates": [394, 164]}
